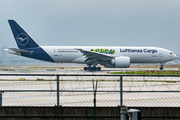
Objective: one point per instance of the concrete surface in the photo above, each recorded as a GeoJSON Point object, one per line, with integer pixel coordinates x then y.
{"type": "Point", "coordinates": [86, 98]}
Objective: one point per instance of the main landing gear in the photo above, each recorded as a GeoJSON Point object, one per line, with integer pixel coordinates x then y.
{"type": "Point", "coordinates": [92, 68]}
{"type": "Point", "coordinates": [161, 68]}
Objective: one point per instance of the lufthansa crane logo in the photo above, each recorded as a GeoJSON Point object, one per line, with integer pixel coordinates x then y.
{"type": "Point", "coordinates": [22, 39]}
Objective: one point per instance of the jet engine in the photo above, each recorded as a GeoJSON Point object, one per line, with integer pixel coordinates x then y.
{"type": "Point", "coordinates": [121, 62]}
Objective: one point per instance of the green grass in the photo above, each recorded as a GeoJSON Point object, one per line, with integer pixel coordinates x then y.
{"type": "Point", "coordinates": [151, 81]}
{"type": "Point", "coordinates": [40, 79]}
{"type": "Point", "coordinates": [168, 72]}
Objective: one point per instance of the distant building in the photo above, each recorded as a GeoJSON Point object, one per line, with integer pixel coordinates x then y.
{"type": "Point", "coordinates": [18, 60]}
{"type": "Point", "coordinates": [10, 59]}
{"type": "Point", "coordinates": [3, 52]}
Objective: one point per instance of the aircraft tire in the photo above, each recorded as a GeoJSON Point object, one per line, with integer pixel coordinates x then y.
{"type": "Point", "coordinates": [98, 69]}
{"type": "Point", "coordinates": [89, 68]}
{"type": "Point", "coordinates": [93, 68]}
{"type": "Point", "coordinates": [161, 68]}
{"type": "Point", "coordinates": [85, 68]}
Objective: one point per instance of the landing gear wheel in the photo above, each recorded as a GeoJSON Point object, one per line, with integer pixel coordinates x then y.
{"type": "Point", "coordinates": [98, 69]}
{"type": "Point", "coordinates": [93, 68]}
{"type": "Point", "coordinates": [161, 68]}
{"type": "Point", "coordinates": [85, 68]}
{"type": "Point", "coordinates": [89, 68]}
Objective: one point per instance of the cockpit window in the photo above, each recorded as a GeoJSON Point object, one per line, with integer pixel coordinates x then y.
{"type": "Point", "coordinates": [171, 53]}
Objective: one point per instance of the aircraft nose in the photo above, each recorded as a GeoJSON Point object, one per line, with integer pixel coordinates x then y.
{"type": "Point", "coordinates": [174, 56]}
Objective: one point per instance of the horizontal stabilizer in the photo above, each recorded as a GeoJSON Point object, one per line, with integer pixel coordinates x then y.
{"type": "Point", "coordinates": [20, 50]}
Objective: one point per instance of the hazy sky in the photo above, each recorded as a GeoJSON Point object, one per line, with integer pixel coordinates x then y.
{"type": "Point", "coordinates": [94, 22]}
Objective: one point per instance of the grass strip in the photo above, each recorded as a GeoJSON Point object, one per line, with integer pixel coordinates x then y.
{"type": "Point", "coordinates": [150, 72]}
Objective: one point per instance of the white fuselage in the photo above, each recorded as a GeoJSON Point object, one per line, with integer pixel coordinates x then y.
{"type": "Point", "coordinates": [70, 54]}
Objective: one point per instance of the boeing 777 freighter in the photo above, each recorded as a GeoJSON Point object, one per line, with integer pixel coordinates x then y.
{"type": "Point", "coordinates": [108, 56]}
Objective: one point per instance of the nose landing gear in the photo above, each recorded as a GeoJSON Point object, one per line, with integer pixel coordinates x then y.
{"type": "Point", "coordinates": [161, 68]}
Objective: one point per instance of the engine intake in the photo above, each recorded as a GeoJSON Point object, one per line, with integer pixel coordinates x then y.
{"type": "Point", "coordinates": [121, 62]}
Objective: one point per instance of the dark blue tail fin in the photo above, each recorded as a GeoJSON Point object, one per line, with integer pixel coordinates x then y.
{"type": "Point", "coordinates": [23, 40]}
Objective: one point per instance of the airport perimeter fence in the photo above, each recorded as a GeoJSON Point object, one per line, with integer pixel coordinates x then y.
{"type": "Point", "coordinates": [77, 90]}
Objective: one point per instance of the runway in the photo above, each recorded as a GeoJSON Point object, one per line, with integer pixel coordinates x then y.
{"type": "Point", "coordinates": [72, 70]}
{"type": "Point", "coordinates": [85, 83]}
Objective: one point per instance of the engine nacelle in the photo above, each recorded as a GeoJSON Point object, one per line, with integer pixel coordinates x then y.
{"type": "Point", "coordinates": [121, 62]}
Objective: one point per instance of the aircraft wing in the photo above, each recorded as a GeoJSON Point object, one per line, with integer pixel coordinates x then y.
{"type": "Point", "coordinates": [20, 50]}
{"type": "Point", "coordinates": [91, 55]}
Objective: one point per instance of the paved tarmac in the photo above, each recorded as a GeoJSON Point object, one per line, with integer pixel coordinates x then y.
{"type": "Point", "coordinates": [86, 98]}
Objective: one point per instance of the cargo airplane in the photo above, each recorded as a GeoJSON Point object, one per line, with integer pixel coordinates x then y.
{"type": "Point", "coordinates": [108, 56]}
